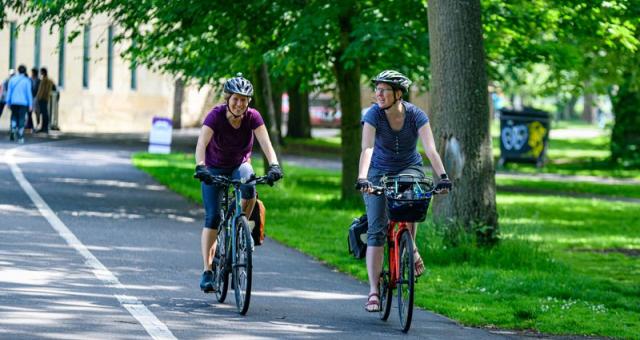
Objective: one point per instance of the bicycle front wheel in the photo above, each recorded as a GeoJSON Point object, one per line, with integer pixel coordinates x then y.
{"type": "Point", "coordinates": [384, 287]}
{"type": "Point", "coordinates": [242, 266]}
{"type": "Point", "coordinates": [220, 268]}
{"type": "Point", "coordinates": [406, 281]}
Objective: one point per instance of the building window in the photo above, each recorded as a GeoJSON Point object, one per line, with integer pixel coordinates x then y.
{"type": "Point", "coordinates": [12, 45]}
{"type": "Point", "coordinates": [37, 46]}
{"type": "Point", "coordinates": [134, 70]}
{"type": "Point", "coordinates": [61, 51]}
{"type": "Point", "coordinates": [134, 76]}
{"type": "Point", "coordinates": [86, 56]}
{"type": "Point", "coordinates": [110, 58]}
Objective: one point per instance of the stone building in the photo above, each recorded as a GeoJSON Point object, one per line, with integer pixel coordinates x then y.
{"type": "Point", "coordinates": [99, 90]}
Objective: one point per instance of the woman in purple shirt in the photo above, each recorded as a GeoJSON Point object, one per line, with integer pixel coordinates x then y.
{"type": "Point", "coordinates": [224, 148]}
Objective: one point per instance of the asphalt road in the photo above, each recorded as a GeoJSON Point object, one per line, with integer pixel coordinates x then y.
{"type": "Point", "coordinates": [91, 248]}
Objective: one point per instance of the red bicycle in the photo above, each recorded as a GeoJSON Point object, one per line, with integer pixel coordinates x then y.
{"type": "Point", "coordinates": [408, 199]}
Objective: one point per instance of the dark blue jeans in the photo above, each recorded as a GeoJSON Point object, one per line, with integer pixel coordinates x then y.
{"type": "Point", "coordinates": [212, 194]}
{"type": "Point", "coordinates": [18, 115]}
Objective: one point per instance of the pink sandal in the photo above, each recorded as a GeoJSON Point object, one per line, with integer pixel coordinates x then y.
{"type": "Point", "coordinates": [373, 305]}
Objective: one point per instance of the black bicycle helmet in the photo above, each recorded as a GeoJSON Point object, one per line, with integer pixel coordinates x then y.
{"type": "Point", "coordinates": [396, 79]}
{"type": "Point", "coordinates": [239, 85]}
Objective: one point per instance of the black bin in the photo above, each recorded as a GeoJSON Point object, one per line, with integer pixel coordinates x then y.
{"type": "Point", "coordinates": [523, 136]}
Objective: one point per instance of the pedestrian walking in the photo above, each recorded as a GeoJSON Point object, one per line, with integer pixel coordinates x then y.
{"type": "Point", "coordinates": [35, 83]}
{"type": "Point", "coordinates": [42, 99]}
{"type": "Point", "coordinates": [20, 100]}
{"type": "Point", "coordinates": [4, 88]}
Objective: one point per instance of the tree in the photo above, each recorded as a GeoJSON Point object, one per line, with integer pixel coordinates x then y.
{"type": "Point", "coordinates": [342, 41]}
{"type": "Point", "coordinates": [460, 115]}
{"type": "Point", "coordinates": [299, 124]}
{"type": "Point", "coordinates": [591, 47]}
{"type": "Point", "coordinates": [190, 39]}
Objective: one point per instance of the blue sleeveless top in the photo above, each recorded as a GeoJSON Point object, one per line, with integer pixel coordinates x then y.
{"type": "Point", "coordinates": [394, 151]}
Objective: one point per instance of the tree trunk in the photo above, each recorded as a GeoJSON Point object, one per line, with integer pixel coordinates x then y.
{"type": "Point", "coordinates": [178, 98]}
{"type": "Point", "coordinates": [569, 109]}
{"type": "Point", "coordinates": [588, 109]}
{"type": "Point", "coordinates": [264, 104]}
{"type": "Point", "coordinates": [348, 79]}
{"type": "Point", "coordinates": [461, 120]}
{"type": "Point", "coordinates": [277, 106]}
{"type": "Point", "coordinates": [299, 124]}
{"type": "Point", "coordinates": [625, 136]}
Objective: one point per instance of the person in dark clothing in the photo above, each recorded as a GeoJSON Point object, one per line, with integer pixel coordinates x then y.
{"type": "Point", "coordinates": [42, 99]}
{"type": "Point", "coordinates": [35, 83]}
{"type": "Point", "coordinates": [4, 89]}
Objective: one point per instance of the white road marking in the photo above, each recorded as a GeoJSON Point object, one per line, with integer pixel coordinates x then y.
{"type": "Point", "coordinates": [154, 327]}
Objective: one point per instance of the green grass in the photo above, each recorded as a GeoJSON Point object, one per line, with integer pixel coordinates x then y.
{"type": "Point", "coordinates": [561, 268]}
{"type": "Point", "coordinates": [539, 185]}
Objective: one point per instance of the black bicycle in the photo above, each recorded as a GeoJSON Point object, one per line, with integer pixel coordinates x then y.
{"type": "Point", "coordinates": [235, 245]}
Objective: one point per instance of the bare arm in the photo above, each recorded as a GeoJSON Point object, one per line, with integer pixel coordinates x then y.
{"type": "Point", "coordinates": [265, 143]}
{"type": "Point", "coordinates": [368, 138]}
{"type": "Point", "coordinates": [203, 140]}
{"type": "Point", "coordinates": [429, 145]}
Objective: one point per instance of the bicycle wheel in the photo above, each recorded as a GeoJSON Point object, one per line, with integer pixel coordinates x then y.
{"type": "Point", "coordinates": [407, 280]}
{"type": "Point", "coordinates": [242, 265]}
{"type": "Point", "coordinates": [384, 287]}
{"type": "Point", "coordinates": [220, 268]}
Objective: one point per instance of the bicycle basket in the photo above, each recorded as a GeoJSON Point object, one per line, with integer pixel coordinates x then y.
{"type": "Point", "coordinates": [408, 197]}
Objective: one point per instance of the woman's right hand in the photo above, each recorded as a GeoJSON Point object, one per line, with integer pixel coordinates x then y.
{"type": "Point", "coordinates": [364, 185]}
{"type": "Point", "coordinates": [203, 174]}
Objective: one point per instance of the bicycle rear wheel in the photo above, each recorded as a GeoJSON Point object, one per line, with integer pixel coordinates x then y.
{"type": "Point", "coordinates": [242, 266]}
{"type": "Point", "coordinates": [407, 280]}
{"type": "Point", "coordinates": [384, 287]}
{"type": "Point", "coordinates": [220, 268]}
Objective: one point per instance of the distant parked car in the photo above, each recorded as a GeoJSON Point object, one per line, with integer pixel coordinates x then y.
{"type": "Point", "coordinates": [323, 112]}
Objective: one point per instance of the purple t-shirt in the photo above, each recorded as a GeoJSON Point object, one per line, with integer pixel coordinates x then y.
{"type": "Point", "coordinates": [229, 147]}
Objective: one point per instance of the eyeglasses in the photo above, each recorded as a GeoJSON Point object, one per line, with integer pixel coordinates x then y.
{"type": "Point", "coordinates": [381, 90]}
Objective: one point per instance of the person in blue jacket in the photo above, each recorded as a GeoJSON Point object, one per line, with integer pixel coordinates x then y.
{"type": "Point", "coordinates": [20, 100]}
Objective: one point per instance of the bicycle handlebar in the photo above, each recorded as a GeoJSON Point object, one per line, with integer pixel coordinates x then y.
{"type": "Point", "coordinates": [379, 191]}
{"type": "Point", "coordinates": [225, 180]}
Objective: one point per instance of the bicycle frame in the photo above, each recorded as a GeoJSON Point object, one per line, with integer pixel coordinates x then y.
{"type": "Point", "coordinates": [395, 229]}
{"type": "Point", "coordinates": [230, 221]}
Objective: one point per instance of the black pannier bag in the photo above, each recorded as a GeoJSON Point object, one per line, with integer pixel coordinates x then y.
{"type": "Point", "coordinates": [357, 238]}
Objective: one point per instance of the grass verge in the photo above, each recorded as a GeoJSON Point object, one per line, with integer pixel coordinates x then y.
{"type": "Point", "coordinates": [565, 265]}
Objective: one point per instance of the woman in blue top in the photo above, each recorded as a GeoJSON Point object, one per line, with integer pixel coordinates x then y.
{"type": "Point", "coordinates": [390, 131]}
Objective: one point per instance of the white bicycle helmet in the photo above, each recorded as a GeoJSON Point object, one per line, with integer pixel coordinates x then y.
{"type": "Point", "coordinates": [396, 79]}
{"type": "Point", "coordinates": [239, 85]}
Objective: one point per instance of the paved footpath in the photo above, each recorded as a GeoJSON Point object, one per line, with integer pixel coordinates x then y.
{"type": "Point", "coordinates": [91, 248]}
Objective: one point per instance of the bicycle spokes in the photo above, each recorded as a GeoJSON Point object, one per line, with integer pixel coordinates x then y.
{"type": "Point", "coordinates": [243, 265]}
{"type": "Point", "coordinates": [406, 280]}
